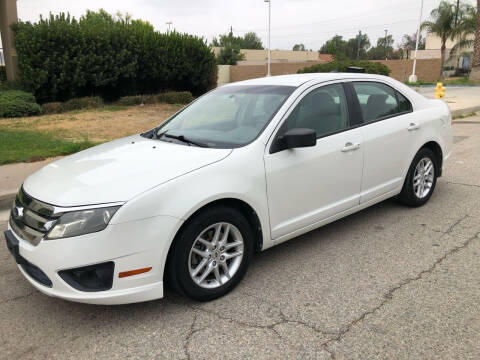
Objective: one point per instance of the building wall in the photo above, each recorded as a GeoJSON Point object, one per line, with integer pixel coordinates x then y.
{"type": "Point", "coordinates": [427, 70]}
{"type": "Point", "coordinates": [258, 57]}
{"type": "Point", "coordinates": [245, 72]}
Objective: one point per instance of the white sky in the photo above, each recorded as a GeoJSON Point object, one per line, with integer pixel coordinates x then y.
{"type": "Point", "coordinates": [310, 22]}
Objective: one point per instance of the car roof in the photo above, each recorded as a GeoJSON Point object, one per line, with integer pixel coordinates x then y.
{"type": "Point", "coordinates": [300, 79]}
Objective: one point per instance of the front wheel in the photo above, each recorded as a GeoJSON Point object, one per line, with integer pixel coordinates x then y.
{"type": "Point", "coordinates": [421, 179]}
{"type": "Point", "coordinates": [211, 254]}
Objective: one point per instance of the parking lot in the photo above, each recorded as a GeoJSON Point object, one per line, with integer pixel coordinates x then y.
{"type": "Point", "coordinates": [388, 282]}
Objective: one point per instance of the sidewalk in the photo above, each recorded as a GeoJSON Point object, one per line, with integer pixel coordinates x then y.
{"type": "Point", "coordinates": [12, 177]}
{"type": "Point", "coordinates": [460, 99]}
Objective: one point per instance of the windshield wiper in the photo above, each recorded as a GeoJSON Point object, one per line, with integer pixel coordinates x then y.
{"type": "Point", "coordinates": [184, 139]}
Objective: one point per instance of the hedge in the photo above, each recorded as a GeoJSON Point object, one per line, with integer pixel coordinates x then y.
{"type": "Point", "coordinates": [60, 58]}
{"type": "Point", "coordinates": [341, 66]}
{"type": "Point", "coordinates": [16, 103]}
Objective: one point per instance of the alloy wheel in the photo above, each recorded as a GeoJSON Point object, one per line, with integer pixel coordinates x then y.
{"type": "Point", "coordinates": [423, 177]}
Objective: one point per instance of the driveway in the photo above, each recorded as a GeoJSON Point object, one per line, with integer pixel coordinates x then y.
{"type": "Point", "coordinates": [389, 282]}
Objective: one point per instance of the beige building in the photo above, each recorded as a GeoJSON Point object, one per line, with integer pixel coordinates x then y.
{"type": "Point", "coordinates": [260, 57]}
{"type": "Point", "coordinates": [433, 47]}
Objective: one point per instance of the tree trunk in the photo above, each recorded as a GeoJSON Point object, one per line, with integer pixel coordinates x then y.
{"type": "Point", "coordinates": [475, 74]}
{"type": "Point", "coordinates": [442, 57]}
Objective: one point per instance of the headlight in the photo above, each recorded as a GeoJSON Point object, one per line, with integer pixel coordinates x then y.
{"type": "Point", "coordinates": [81, 222]}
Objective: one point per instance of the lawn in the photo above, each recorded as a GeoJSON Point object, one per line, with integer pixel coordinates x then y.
{"type": "Point", "coordinates": [39, 137]}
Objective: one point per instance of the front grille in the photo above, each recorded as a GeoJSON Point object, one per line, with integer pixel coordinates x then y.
{"type": "Point", "coordinates": [31, 219]}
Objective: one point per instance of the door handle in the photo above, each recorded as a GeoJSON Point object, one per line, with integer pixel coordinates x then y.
{"type": "Point", "coordinates": [350, 147]}
{"type": "Point", "coordinates": [413, 127]}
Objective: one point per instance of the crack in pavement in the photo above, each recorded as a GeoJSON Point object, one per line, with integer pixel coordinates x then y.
{"type": "Point", "coordinates": [463, 184]}
{"type": "Point", "coordinates": [190, 335]}
{"type": "Point", "coordinates": [20, 297]}
{"type": "Point", "coordinates": [389, 295]}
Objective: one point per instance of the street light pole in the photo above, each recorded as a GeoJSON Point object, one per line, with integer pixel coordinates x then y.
{"type": "Point", "coordinates": [413, 77]}
{"type": "Point", "coordinates": [269, 35]}
{"type": "Point", "coordinates": [386, 55]}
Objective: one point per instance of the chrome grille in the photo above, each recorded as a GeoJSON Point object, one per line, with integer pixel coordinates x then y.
{"type": "Point", "coordinates": [31, 219]}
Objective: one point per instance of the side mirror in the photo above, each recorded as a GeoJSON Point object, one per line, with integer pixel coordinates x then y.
{"type": "Point", "coordinates": [298, 138]}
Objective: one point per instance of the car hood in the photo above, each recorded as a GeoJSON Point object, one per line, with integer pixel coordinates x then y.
{"type": "Point", "coordinates": [116, 171]}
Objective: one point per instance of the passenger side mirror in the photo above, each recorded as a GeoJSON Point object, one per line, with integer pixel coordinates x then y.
{"type": "Point", "coordinates": [298, 138]}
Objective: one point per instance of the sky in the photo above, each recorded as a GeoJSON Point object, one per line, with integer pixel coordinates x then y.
{"type": "Point", "coordinates": [310, 22]}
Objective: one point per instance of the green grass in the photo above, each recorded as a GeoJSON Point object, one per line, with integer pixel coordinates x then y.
{"type": "Point", "coordinates": [27, 145]}
{"type": "Point", "coordinates": [462, 81]}
{"type": "Point", "coordinates": [463, 116]}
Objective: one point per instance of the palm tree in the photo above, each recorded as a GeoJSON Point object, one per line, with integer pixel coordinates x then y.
{"type": "Point", "coordinates": [465, 30]}
{"type": "Point", "coordinates": [475, 74]}
{"type": "Point", "coordinates": [442, 25]}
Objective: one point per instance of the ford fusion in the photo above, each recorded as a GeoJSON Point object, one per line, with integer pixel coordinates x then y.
{"type": "Point", "coordinates": [241, 169]}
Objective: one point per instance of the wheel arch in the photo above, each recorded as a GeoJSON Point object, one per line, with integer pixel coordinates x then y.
{"type": "Point", "coordinates": [437, 150]}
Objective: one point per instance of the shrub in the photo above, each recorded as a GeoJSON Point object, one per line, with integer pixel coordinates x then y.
{"type": "Point", "coordinates": [342, 65]}
{"type": "Point", "coordinates": [89, 102]}
{"type": "Point", "coordinates": [52, 107]}
{"type": "Point", "coordinates": [16, 103]}
{"type": "Point", "coordinates": [173, 97]}
{"type": "Point", "coordinates": [60, 58]}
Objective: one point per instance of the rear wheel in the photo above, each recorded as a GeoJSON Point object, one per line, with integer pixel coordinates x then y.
{"type": "Point", "coordinates": [421, 179]}
{"type": "Point", "coordinates": [211, 254]}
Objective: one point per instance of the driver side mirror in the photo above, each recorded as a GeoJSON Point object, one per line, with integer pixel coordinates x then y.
{"type": "Point", "coordinates": [295, 138]}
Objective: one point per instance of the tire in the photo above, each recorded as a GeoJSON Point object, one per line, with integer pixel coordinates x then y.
{"type": "Point", "coordinates": [410, 193]}
{"type": "Point", "coordinates": [184, 255]}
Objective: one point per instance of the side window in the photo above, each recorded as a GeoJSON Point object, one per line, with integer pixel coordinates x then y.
{"type": "Point", "coordinates": [404, 104]}
{"type": "Point", "coordinates": [377, 100]}
{"type": "Point", "coordinates": [324, 110]}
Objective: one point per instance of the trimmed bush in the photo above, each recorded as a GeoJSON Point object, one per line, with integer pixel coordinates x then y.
{"type": "Point", "coordinates": [89, 102]}
{"type": "Point", "coordinates": [52, 107]}
{"type": "Point", "coordinates": [17, 103]}
{"type": "Point", "coordinates": [172, 97]}
{"type": "Point", "coordinates": [60, 58]}
{"type": "Point", "coordinates": [341, 66]}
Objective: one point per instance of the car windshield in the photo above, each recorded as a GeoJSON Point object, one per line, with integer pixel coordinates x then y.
{"type": "Point", "coordinates": [228, 117]}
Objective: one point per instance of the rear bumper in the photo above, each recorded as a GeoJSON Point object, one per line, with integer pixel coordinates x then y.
{"type": "Point", "coordinates": [132, 245]}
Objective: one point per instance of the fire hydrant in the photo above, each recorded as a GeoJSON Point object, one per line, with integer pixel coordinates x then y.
{"type": "Point", "coordinates": [439, 91]}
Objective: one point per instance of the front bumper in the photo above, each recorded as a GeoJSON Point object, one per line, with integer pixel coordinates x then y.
{"type": "Point", "coordinates": [131, 245]}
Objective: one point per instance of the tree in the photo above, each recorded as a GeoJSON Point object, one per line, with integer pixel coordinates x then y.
{"type": "Point", "coordinates": [409, 42]}
{"type": "Point", "coordinates": [465, 30]}
{"type": "Point", "coordinates": [249, 41]}
{"type": "Point", "coordinates": [442, 25]}
{"type": "Point", "coordinates": [252, 41]}
{"type": "Point", "coordinates": [299, 47]}
{"type": "Point", "coordinates": [475, 74]}
{"type": "Point", "coordinates": [340, 48]}
{"type": "Point", "coordinates": [230, 53]}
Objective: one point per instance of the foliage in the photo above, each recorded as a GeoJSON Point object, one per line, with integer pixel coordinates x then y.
{"type": "Point", "coordinates": [61, 58]}
{"type": "Point", "coordinates": [27, 145]}
{"type": "Point", "coordinates": [249, 41]}
{"type": "Point", "coordinates": [384, 49]}
{"type": "Point", "coordinates": [466, 27]}
{"type": "Point", "coordinates": [409, 42]}
{"type": "Point", "coordinates": [88, 102]}
{"type": "Point", "coordinates": [17, 103]}
{"type": "Point", "coordinates": [175, 97]}
{"type": "Point", "coordinates": [3, 74]}
{"type": "Point", "coordinates": [54, 107]}
{"type": "Point", "coordinates": [346, 48]}
{"type": "Point", "coordinates": [299, 47]}
{"type": "Point", "coordinates": [341, 66]}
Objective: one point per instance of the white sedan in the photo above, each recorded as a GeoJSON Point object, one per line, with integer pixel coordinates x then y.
{"type": "Point", "coordinates": [243, 168]}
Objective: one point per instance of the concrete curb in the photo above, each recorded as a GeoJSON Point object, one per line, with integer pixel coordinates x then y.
{"type": "Point", "coordinates": [465, 111]}
{"type": "Point", "coordinates": [6, 201]}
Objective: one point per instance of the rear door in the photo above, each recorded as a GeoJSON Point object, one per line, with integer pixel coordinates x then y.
{"type": "Point", "coordinates": [390, 131]}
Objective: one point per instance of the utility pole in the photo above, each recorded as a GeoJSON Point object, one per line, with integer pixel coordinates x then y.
{"type": "Point", "coordinates": [358, 44]}
{"type": "Point", "coordinates": [269, 35]}
{"type": "Point", "coordinates": [456, 12]}
{"type": "Point", "coordinates": [413, 77]}
{"type": "Point", "coordinates": [386, 55]}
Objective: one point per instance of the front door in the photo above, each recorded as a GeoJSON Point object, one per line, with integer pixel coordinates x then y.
{"type": "Point", "coordinates": [308, 185]}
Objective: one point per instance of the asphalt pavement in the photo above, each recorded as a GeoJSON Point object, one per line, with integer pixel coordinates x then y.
{"type": "Point", "coordinates": [389, 282]}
